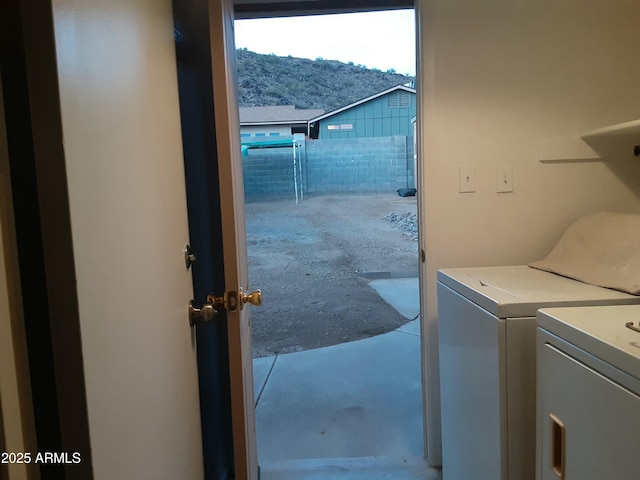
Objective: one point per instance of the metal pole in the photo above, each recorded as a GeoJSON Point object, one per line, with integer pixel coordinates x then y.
{"type": "Point", "coordinates": [295, 171]}
{"type": "Point", "coordinates": [301, 172]}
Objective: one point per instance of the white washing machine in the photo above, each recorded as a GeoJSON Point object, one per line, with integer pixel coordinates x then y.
{"type": "Point", "coordinates": [588, 393]}
{"type": "Point", "coordinates": [487, 342]}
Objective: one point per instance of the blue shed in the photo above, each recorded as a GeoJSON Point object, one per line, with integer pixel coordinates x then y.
{"type": "Point", "coordinates": [384, 114]}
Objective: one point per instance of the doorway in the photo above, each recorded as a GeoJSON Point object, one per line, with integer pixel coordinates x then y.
{"type": "Point", "coordinates": [134, 187]}
{"type": "Point", "coordinates": [312, 359]}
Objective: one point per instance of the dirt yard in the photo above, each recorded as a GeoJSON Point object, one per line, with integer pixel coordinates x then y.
{"type": "Point", "coordinates": [313, 262]}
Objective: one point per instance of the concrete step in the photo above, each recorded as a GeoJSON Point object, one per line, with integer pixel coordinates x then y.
{"type": "Point", "coordinates": [354, 468]}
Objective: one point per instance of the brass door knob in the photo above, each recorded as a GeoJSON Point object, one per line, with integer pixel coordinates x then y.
{"type": "Point", "coordinates": [254, 298]}
{"type": "Point", "coordinates": [206, 313]}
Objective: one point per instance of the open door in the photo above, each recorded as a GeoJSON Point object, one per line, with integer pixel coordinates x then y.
{"type": "Point", "coordinates": [233, 238]}
{"type": "Point", "coordinates": [116, 156]}
{"type": "Point", "coordinates": [109, 160]}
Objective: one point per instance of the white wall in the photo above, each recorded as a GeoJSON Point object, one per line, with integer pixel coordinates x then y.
{"type": "Point", "coordinates": [495, 77]}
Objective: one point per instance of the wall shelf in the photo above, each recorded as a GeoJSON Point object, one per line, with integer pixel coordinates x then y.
{"type": "Point", "coordinates": [615, 141]}
{"type": "Point", "coordinates": [565, 149]}
{"type": "Point", "coordinates": [628, 129]}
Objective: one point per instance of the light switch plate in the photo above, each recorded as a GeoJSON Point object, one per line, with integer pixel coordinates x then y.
{"type": "Point", "coordinates": [467, 181]}
{"type": "Point", "coordinates": [504, 178]}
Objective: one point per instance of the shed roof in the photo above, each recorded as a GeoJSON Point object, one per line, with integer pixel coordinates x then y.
{"type": "Point", "coordinates": [280, 114]}
{"type": "Point", "coordinates": [360, 102]}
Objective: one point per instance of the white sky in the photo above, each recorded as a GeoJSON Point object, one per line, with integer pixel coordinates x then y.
{"type": "Point", "coordinates": [381, 40]}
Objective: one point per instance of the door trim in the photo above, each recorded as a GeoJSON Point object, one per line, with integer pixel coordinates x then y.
{"type": "Point", "coordinates": [233, 235]}
{"type": "Point", "coordinates": [246, 9]}
{"type": "Point", "coordinates": [17, 427]}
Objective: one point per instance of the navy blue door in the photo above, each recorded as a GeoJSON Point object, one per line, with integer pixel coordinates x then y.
{"type": "Point", "coordinates": [203, 199]}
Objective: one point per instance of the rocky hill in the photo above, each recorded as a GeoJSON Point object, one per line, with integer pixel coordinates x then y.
{"type": "Point", "coordinates": [326, 84]}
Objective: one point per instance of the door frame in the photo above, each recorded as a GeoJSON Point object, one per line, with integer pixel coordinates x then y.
{"type": "Point", "coordinates": [17, 425]}
{"type": "Point", "coordinates": [247, 9]}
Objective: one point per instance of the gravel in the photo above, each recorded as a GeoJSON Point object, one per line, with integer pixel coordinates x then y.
{"type": "Point", "coordinates": [407, 222]}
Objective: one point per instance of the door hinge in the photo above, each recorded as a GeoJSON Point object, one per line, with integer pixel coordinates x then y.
{"type": "Point", "coordinates": [189, 256]}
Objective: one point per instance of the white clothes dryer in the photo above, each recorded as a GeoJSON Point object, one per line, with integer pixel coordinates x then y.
{"type": "Point", "coordinates": [588, 393]}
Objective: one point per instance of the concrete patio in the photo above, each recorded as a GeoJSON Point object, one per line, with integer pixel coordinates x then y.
{"type": "Point", "coordinates": [351, 410]}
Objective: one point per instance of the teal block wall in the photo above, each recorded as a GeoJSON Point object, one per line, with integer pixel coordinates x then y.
{"type": "Point", "coordinates": [365, 165]}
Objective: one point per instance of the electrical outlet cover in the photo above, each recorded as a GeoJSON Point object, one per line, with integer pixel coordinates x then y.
{"type": "Point", "coordinates": [504, 178]}
{"type": "Point", "coordinates": [467, 181]}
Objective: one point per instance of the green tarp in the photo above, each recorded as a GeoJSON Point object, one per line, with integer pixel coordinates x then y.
{"type": "Point", "coordinates": [246, 146]}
